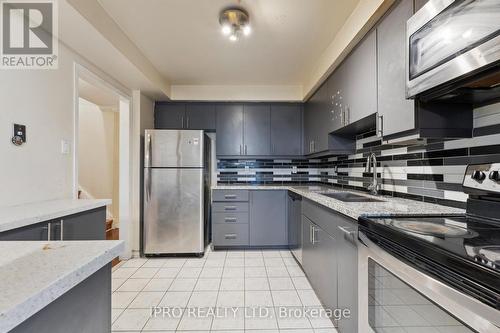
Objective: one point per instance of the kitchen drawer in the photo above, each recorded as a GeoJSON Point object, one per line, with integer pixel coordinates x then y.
{"type": "Point", "coordinates": [230, 218]}
{"type": "Point", "coordinates": [327, 219]}
{"type": "Point", "coordinates": [230, 235]}
{"type": "Point", "coordinates": [230, 195]}
{"type": "Point", "coordinates": [231, 207]}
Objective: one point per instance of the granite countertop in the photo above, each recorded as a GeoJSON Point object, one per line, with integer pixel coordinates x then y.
{"type": "Point", "coordinates": [23, 215]}
{"type": "Point", "coordinates": [389, 205]}
{"type": "Point", "coordinates": [33, 274]}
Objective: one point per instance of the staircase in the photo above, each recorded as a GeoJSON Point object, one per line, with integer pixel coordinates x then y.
{"type": "Point", "coordinates": [112, 234]}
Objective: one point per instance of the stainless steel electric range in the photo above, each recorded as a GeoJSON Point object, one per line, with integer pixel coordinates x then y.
{"type": "Point", "coordinates": [435, 273]}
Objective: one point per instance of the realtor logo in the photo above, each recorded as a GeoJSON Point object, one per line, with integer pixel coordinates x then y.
{"type": "Point", "coordinates": [29, 34]}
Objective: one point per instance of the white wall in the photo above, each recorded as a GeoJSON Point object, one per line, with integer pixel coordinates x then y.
{"type": "Point", "coordinates": [42, 100]}
{"type": "Point", "coordinates": [98, 152]}
{"type": "Point", "coordinates": [143, 113]}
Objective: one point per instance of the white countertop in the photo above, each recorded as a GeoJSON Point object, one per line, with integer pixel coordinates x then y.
{"type": "Point", "coordinates": [22, 215]}
{"type": "Point", "coordinates": [389, 205]}
{"type": "Point", "coordinates": [33, 274]}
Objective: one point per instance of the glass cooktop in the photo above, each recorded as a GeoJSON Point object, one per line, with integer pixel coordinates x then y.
{"type": "Point", "coordinates": [468, 237]}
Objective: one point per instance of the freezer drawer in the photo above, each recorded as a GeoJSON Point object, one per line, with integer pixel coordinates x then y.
{"type": "Point", "coordinates": [230, 234]}
{"type": "Point", "coordinates": [173, 211]}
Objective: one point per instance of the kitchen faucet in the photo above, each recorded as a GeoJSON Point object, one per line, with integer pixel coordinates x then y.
{"type": "Point", "coordinates": [374, 187]}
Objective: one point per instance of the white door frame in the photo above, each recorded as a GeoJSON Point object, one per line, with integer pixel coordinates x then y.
{"type": "Point", "coordinates": [125, 147]}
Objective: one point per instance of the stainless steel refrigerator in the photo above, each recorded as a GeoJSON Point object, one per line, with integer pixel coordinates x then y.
{"type": "Point", "coordinates": [176, 192]}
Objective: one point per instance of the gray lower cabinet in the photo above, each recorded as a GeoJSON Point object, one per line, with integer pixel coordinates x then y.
{"type": "Point", "coordinates": [35, 232]}
{"type": "Point", "coordinates": [169, 115]}
{"type": "Point", "coordinates": [268, 218]}
{"type": "Point", "coordinates": [229, 128]}
{"type": "Point", "coordinates": [85, 308]}
{"type": "Point", "coordinates": [257, 129]}
{"type": "Point", "coordinates": [87, 225]}
{"type": "Point", "coordinates": [330, 260]}
{"type": "Point", "coordinates": [397, 113]}
{"type": "Point", "coordinates": [347, 265]}
{"type": "Point", "coordinates": [230, 225]}
{"type": "Point", "coordinates": [286, 129]}
{"type": "Point", "coordinates": [256, 218]}
{"type": "Point", "coordinates": [319, 261]}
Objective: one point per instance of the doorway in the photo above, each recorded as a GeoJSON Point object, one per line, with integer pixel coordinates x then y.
{"type": "Point", "coordinates": [102, 150]}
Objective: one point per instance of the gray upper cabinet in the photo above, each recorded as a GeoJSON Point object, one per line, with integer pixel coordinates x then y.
{"type": "Point", "coordinates": [169, 115]}
{"type": "Point", "coordinates": [398, 113]}
{"type": "Point", "coordinates": [185, 116]}
{"type": "Point", "coordinates": [286, 129]}
{"type": "Point", "coordinates": [336, 102]}
{"type": "Point", "coordinates": [317, 122]}
{"type": "Point", "coordinates": [268, 218]}
{"type": "Point", "coordinates": [360, 81]}
{"type": "Point", "coordinates": [229, 127]}
{"type": "Point", "coordinates": [200, 116]}
{"type": "Point", "coordinates": [257, 129]}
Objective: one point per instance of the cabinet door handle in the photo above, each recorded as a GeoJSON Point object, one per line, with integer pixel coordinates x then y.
{"type": "Point", "coordinates": [229, 207]}
{"type": "Point", "coordinates": [380, 126]}
{"type": "Point", "coordinates": [245, 149]}
{"type": "Point", "coordinates": [348, 115]}
{"type": "Point", "coordinates": [182, 121]}
{"type": "Point", "coordinates": [231, 219]}
{"type": "Point", "coordinates": [229, 196]}
{"type": "Point", "coordinates": [62, 230]}
{"type": "Point", "coordinates": [230, 236]}
{"type": "Point", "coordinates": [49, 230]}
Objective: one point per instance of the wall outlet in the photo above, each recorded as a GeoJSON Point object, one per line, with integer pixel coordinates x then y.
{"type": "Point", "coordinates": [65, 147]}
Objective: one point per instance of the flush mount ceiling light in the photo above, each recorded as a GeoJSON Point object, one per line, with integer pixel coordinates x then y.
{"type": "Point", "coordinates": [235, 22]}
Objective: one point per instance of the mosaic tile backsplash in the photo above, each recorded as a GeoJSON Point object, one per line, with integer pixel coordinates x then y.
{"type": "Point", "coordinates": [430, 171]}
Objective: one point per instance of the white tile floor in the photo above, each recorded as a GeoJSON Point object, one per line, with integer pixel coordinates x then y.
{"type": "Point", "coordinates": [239, 282]}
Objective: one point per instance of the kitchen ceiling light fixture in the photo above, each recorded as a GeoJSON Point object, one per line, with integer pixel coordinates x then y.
{"type": "Point", "coordinates": [235, 22]}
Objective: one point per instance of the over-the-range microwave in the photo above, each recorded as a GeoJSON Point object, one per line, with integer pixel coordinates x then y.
{"type": "Point", "coordinates": [453, 52]}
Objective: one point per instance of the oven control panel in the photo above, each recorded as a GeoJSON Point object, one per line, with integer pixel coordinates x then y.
{"type": "Point", "coordinates": [483, 177]}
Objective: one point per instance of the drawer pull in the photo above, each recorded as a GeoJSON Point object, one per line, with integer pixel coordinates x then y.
{"type": "Point", "coordinates": [230, 219]}
{"type": "Point", "coordinates": [230, 196]}
{"type": "Point", "coordinates": [349, 235]}
{"type": "Point", "coordinates": [230, 236]}
{"type": "Point", "coordinates": [229, 207]}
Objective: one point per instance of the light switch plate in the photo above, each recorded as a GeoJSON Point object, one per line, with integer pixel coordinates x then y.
{"type": "Point", "coordinates": [65, 147]}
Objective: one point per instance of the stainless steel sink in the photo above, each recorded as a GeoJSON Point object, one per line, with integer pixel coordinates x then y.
{"type": "Point", "coordinates": [349, 197]}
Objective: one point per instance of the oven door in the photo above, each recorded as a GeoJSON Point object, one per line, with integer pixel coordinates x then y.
{"type": "Point", "coordinates": [449, 40]}
{"type": "Point", "coordinates": [395, 297]}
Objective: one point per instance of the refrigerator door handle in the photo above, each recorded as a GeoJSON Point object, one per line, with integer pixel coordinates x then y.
{"type": "Point", "coordinates": [149, 151]}
{"type": "Point", "coordinates": [147, 181]}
